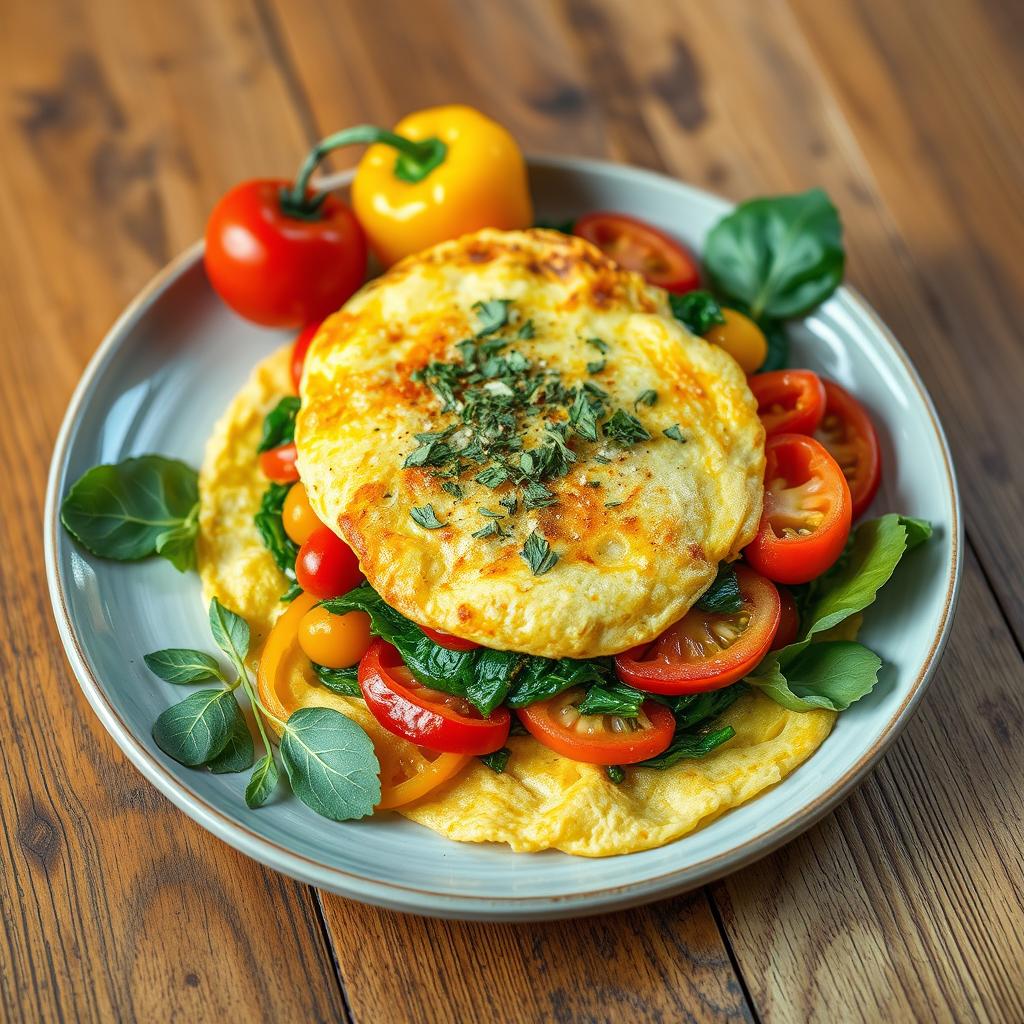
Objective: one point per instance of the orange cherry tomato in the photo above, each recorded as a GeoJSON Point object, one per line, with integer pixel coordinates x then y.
{"type": "Point", "coordinates": [789, 621]}
{"type": "Point", "coordinates": [278, 464]}
{"type": "Point", "coordinates": [299, 519]}
{"type": "Point", "coordinates": [707, 650]}
{"type": "Point", "coordinates": [429, 718]}
{"type": "Point", "coordinates": [299, 349]}
{"type": "Point", "coordinates": [741, 338]}
{"type": "Point", "coordinates": [789, 401]}
{"type": "Point", "coordinates": [326, 566]}
{"type": "Point", "coordinates": [636, 245]}
{"type": "Point", "coordinates": [452, 643]}
{"type": "Point", "coordinates": [848, 434]}
{"type": "Point", "coordinates": [598, 739]}
{"type": "Point", "coordinates": [337, 641]}
{"type": "Point", "coordinates": [278, 269]}
{"type": "Point", "coordinates": [807, 511]}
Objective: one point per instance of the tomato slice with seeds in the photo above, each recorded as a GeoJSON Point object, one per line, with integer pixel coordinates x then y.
{"type": "Point", "coordinates": [848, 434]}
{"type": "Point", "coordinates": [278, 464]}
{"type": "Point", "coordinates": [788, 401]}
{"type": "Point", "coordinates": [707, 650]}
{"type": "Point", "coordinates": [427, 717]}
{"type": "Point", "coordinates": [636, 245]}
{"type": "Point", "coordinates": [598, 739]}
{"type": "Point", "coordinates": [447, 640]}
{"type": "Point", "coordinates": [807, 511]}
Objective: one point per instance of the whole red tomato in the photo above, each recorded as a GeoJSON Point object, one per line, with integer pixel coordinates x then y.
{"type": "Point", "coordinates": [278, 268]}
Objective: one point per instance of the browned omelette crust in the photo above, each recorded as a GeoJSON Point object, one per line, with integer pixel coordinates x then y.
{"type": "Point", "coordinates": [624, 572]}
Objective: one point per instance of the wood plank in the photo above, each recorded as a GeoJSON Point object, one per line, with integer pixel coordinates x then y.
{"type": "Point", "coordinates": [936, 102]}
{"type": "Point", "coordinates": [660, 963]}
{"type": "Point", "coordinates": [122, 125]}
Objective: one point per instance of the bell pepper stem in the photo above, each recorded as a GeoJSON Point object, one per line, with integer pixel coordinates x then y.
{"type": "Point", "coordinates": [415, 161]}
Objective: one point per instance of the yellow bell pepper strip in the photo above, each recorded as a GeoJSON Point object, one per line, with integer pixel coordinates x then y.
{"type": "Point", "coordinates": [407, 772]}
{"type": "Point", "coordinates": [455, 171]}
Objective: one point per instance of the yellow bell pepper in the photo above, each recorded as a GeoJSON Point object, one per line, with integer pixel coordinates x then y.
{"type": "Point", "coordinates": [443, 172]}
{"type": "Point", "coordinates": [480, 183]}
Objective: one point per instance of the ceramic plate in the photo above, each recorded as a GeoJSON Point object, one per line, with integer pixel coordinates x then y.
{"type": "Point", "coordinates": [163, 376]}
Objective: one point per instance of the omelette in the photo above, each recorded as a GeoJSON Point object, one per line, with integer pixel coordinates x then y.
{"type": "Point", "coordinates": [589, 424]}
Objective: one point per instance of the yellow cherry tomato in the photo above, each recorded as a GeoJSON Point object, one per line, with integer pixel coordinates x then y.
{"type": "Point", "coordinates": [337, 641]}
{"type": "Point", "coordinates": [741, 338]}
{"type": "Point", "coordinates": [298, 516]}
{"type": "Point", "coordinates": [480, 182]}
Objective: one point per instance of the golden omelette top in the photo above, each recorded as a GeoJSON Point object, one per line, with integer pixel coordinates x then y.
{"type": "Point", "coordinates": [638, 526]}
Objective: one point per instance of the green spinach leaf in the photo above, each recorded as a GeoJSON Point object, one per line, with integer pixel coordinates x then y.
{"type": "Point", "coordinates": [330, 764]}
{"type": "Point", "coordinates": [779, 256]}
{"type": "Point", "coordinates": [140, 507]}
{"type": "Point", "coordinates": [230, 633]}
{"type": "Point", "coordinates": [498, 760]}
{"type": "Point", "coordinates": [778, 346]}
{"type": "Point", "coordinates": [342, 681]}
{"type": "Point", "coordinates": [196, 730]}
{"type": "Point", "coordinates": [238, 753]}
{"type": "Point", "coordinates": [262, 782]}
{"type": "Point", "coordinates": [542, 678]}
{"type": "Point", "coordinates": [270, 524]}
{"type": "Point", "coordinates": [279, 424]}
{"type": "Point", "coordinates": [698, 310]}
{"type": "Point", "coordinates": [612, 698]}
{"type": "Point", "coordinates": [688, 746]}
{"type": "Point", "coordinates": [723, 596]}
{"type": "Point", "coordinates": [183, 666]}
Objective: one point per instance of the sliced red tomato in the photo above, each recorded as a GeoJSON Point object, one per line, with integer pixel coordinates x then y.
{"type": "Point", "coordinates": [430, 718]}
{"type": "Point", "coordinates": [636, 245]}
{"type": "Point", "coordinates": [707, 650]}
{"type": "Point", "coordinates": [299, 349]}
{"type": "Point", "coordinates": [789, 401]}
{"type": "Point", "coordinates": [789, 621]}
{"type": "Point", "coordinates": [326, 566]}
{"type": "Point", "coordinates": [807, 511]}
{"type": "Point", "coordinates": [278, 464]}
{"type": "Point", "coordinates": [598, 739]}
{"type": "Point", "coordinates": [849, 435]}
{"type": "Point", "coordinates": [452, 643]}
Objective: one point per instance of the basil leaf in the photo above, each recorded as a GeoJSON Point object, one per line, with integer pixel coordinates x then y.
{"type": "Point", "coordinates": [279, 424]}
{"type": "Point", "coordinates": [689, 746]}
{"type": "Point", "coordinates": [262, 782]}
{"type": "Point", "coordinates": [343, 681]}
{"type": "Point", "coordinates": [780, 256]}
{"type": "Point", "coordinates": [698, 310]}
{"type": "Point", "coordinates": [612, 698]}
{"type": "Point", "coordinates": [830, 675]}
{"type": "Point", "coordinates": [723, 596]}
{"type": "Point", "coordinates": [270, 524]}
{"type": "Point", "coordinates": [331, 764]}
{"type": "Point", "coordinates": [136, 508]}
{"type": "Point", "coordinates": [498, 760]}
{"type": "Point", "coordinates": [238, 753]}
{"type": "Point", "coordinates": [183, 666]}
{"type": "Point", "coordinates": [198, 729]}
{"type": "Point", "coordinates": [542, 678]}
{"type": "Point", "coordinates": [230, 631]}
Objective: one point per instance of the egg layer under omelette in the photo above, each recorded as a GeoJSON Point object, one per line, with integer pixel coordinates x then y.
{"type": "Point", "coordinates": [639, 529]}
{"type": "Point", "coordinates": [542, 800]}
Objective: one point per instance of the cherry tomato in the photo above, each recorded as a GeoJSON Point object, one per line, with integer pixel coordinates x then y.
{"type": "Point", "coordinates": [789, 401]}
{"type": "Point", "coordinates": [849, 435]}
{"type": "Point", "coordinates": [636, 245]}
{"type": "Point", "coordinates": [741, 338]}
{"type": "Point", "coordinates": [707, 650]}
{"type": "Point", "coordinates": [276, 269]}
{"type": "Point", "coordinates": [337, 641]}
{"type": "Point", "coordinates": [789, 620]}
{"type": "Point", "coordinates": [430, 718]}
{"type": "Point", "coordinates": [299, 349]}
{"type": "Point", "coordinates": [326, 566]}
{"type": "Point", "coordinates": [278, 464]}
{"type": "Point", "coordinates": [452, 643]}
{"type": "Point", "coordinates": [807, 511]}
{"type": "Point", "coordinates": [598, 739]}
{"type": "Point", "coordinates": [298, 516]}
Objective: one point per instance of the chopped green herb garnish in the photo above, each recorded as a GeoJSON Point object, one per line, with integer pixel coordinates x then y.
{"type": "Point", "coordinates": [526, 331]}
{"type": "Point", "coordinates": [498, 760]}
{"type": "Point", "coordinates": [597, 366]}
{"type": "Point", "coordinates": [615, 773]}
{"type": "Point", "coordinates": [583, 416]}
{"type": "Point", "coordinates": [675, 433]}
{"type": "Point", "coordinates": [493, 315]}
{"type": "Point", "coordinates": [600, 345]}
{"type": "Point", "coordinates": [647, 397]}
{"type": "Point", "coordinates": [625, 429]}
{"type": "Point", "coordinates": [612, 504]}
{"type": "Point", "coordinates": [536, 495]}
{"type": "Point", "coordinates": [492, 529]}
{"type": "Point", "coordinates": [426, 517]}
{"type": "Point", "coordinates": [451, 488]}
{"type": "Point", "coordinates": [538, 555]}
{"type": "Point", "coordinates": [509, 503]}
{"type": "Point", "coordinates": [492, 476]}
{"type": "Point", "coordinates": [490, 513]}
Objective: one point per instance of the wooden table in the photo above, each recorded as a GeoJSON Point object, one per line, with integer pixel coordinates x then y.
{"type": "Point", "coordinates": [122, 123]}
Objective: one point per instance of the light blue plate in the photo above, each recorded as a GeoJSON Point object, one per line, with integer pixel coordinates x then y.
{"type": "Point", "coordinates": [165, 373]}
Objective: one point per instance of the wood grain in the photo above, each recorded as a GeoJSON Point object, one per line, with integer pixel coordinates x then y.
{"type": "Point", "coordinates": [123, 122]}
{"type": "Point", "coordinates": [114, 905]}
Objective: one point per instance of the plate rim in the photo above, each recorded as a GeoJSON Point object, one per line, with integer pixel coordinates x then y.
{"type": "Point", "coordinates": [394, 895]}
